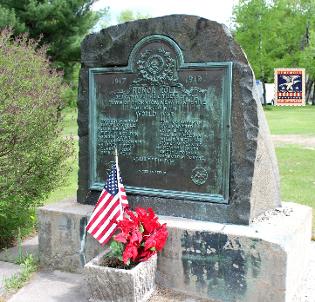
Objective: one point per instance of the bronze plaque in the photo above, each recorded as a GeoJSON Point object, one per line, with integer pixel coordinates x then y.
{"type": "Point", "coordinates": [169, 121]}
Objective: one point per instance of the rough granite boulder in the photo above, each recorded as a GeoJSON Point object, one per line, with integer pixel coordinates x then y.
{"type": "Point", "coordinates": [254, 175]}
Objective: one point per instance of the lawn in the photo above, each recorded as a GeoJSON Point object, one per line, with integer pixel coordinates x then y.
{"type": "Point", "coordinates": [70, 186]}
{"type": "Point", "coordinates": [69, 189]}
{"type": "Point", "coordinates": [297, 171]}
{"type": "Point", "coordinates": [296, 164]}
{"type": "Point", "coordinates": [70, 121]}
{"type": "Point", "coordinates": [291, 120]}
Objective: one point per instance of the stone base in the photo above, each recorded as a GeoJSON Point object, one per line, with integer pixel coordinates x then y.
{"type": "Point", "coordinates": [231, 263]}
{"type": "Point", "coordinates": [61, 230]}
{"type": "Point", "coordinates": [262, 262]}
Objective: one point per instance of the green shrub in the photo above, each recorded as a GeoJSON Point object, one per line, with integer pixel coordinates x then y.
{"type": "Point", "coordinates": [33, 153]}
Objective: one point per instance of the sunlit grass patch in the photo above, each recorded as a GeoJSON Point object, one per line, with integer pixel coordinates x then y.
{"type": "Point", "coordinates": [291, 120]}
{"type": "Point", "coordinates": [297, 170]}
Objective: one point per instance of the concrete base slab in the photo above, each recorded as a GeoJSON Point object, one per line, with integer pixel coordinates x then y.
{"type": "Point", "coordinates": [28, 247]}
{"type": "Point", "coordinates": [7, 270]}
{"type": "Point", "coordinates": [53, 287]}
{"type": "Point", "coordinates": [262, 262]}
{"type": "Point", "coordinates": [61, 231]}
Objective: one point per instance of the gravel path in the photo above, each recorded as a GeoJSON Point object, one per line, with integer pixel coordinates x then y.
{"type": "Point", "coordinates": [301, 140]}
{"type": "Point", "coordinates": [167, 295]}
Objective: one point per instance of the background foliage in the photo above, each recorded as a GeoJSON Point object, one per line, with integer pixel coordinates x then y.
{"type": "Point", "coordinates": [129, 15]}
{"type": "Point", "coordinates": [277, 33]}
{"type": "Point", "coordinates": [59, 24]}
{"type": "Point", "coordinates": [33, 154]}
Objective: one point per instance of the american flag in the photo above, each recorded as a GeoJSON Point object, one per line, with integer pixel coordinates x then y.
{"type": "Point", "coordinates": [108, 209]}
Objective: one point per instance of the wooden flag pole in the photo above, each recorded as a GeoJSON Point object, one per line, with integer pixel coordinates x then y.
{"type": "Point", "coordinates": [117, 167]}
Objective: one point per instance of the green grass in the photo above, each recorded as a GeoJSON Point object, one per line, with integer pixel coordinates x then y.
{"type": "Point", "coordinates": [70, 121]}
{"type": "Point", "coordinates": [28, 266]}
{"type": "Point", "coordinates": [296, 164]}
{"type": "Point", "coordinates": [291, 120]}
{"type": "Point", "coordinates": [70, 186]}
{"type": "Point", "coordinates": [297, 170]}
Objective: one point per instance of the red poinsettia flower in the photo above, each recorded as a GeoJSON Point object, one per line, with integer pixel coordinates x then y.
{"type": "Point", "coordinates": [121, 237]}
{"type": "Point", "coordinates": [145, 255]}
{"type": "Point", "coordinates": [142, 235]}
{"type": "Point", "coordinates": [136, 237]}
{"type": "Point", "coordinates": [130, 252]}
{"type": "Point", "coordinates": [132, 217]}
{"type": "Point", "coordinates": [148, 220]}
{"type": "Point", "coordinates": [157, 239]}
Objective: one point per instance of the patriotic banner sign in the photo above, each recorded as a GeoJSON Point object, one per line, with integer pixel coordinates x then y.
{"type": "Point", "coordinates": [108, 209]}
{"type": "Point", "coordinates": [290, 86]}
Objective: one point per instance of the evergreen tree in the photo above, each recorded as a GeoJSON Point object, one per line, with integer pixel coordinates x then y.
{"type": "Point", "coordinates": [61, 24]}
{"type": "Point", "coordinates": [8, 19]}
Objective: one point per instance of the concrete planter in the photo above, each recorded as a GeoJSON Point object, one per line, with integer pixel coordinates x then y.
{"type": "Point", "coordinates": [107, 284]}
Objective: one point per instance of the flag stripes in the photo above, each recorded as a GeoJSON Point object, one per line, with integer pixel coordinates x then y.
{"type": "Point", "coordinates": [123, 195]}
{"type": "Point", "coordinates": [108, 209]}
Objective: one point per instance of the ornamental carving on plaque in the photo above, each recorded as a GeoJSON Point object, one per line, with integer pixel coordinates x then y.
{"type": "Point", "coordinates": [157, 66]}
{"type": "Point", "coordinates": [199, 176]}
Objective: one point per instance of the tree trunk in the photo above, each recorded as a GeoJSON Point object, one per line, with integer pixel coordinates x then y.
{"type": "Point", "coordinates": [264, 92]}
{"type": "Point", "coordinates": [313, 93]}
{"type": "Point", "coordinates": [308, 90]}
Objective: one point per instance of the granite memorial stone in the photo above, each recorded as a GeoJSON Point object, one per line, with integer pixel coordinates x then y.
{"type": "Point", "coordinates": [178, 99]}
{"type": "Point", "coordinates": [176, 96]}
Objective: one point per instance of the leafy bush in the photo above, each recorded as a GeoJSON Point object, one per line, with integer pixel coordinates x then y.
{"type": "Point", "coordinates": [33, 153]}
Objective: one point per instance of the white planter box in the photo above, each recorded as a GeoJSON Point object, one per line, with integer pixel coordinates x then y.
{"type": "Point", "coordinates": [107, 284]}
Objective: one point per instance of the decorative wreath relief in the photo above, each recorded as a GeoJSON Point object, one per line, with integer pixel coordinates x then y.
{"type": "Point", "coordinates": [157, 66]}
{"type": "Point", "coordinates": [199, 176]}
